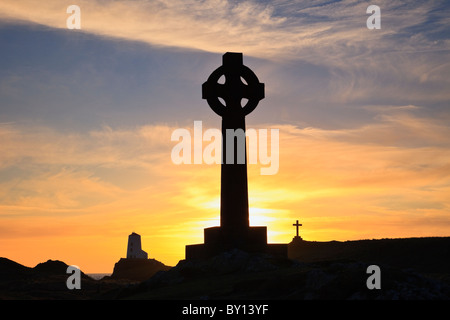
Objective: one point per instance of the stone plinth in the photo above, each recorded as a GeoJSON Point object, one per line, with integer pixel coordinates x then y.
{"type": "Point", "coordinates": [217, 240]}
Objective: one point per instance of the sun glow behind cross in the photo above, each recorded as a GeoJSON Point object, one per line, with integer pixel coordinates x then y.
{"type": "Point", "coordinates": [258, 216]}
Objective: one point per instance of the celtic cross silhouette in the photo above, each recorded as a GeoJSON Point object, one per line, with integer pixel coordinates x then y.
{"type": "Point", "coordinates": [240, 83]}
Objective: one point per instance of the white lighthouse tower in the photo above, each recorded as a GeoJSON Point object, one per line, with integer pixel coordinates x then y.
{"type": "Point", "coordinates": [134, 250]}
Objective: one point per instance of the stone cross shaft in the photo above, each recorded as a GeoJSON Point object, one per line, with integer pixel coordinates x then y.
{"type": "Point", "coordinates": [233, 100]}
{"type": "Point", "coordinates": [240, 83]}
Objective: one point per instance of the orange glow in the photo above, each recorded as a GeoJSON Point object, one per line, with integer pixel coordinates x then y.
{"type": "Point", "coordinates": [339, 189]}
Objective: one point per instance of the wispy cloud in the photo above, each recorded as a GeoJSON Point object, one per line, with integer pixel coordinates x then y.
{"type": "Point", "coordinates": [371, 181]}
{"type": "Point", "coordinates": [378, 178]}
{"type": "Point", "coordinates": [63, 173]}
{"type": "Point", "coordinates": [404, 62]}
{"type": "Point", "coordinates": [284, 28]}
{"type": "Point", "coordinates": [392, 126]}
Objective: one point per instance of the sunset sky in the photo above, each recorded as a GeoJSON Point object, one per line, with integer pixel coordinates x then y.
{"type": "Point", "coordinates": [86, 118]}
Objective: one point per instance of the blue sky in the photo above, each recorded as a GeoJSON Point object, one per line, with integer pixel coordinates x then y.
{"type": "Point", "coordinates": [86, 118]}
{"type": "Point", "coordinates": [321, 64]}
{"type": "Point", "coordinates": [77, 81]}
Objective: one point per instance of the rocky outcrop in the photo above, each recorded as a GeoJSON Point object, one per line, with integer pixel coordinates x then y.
{"type": "Point", "coordinates": [137, 269]}
{"type": "Point", "coordinates": [240, 275]}
{"type": "Point", "coordinates": [47, 280]}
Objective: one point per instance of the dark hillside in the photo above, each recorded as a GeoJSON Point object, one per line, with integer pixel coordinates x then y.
{"type": "Point", "coordinates": [425, 255]}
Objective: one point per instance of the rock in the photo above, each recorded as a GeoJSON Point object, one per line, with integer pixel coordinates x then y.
{"type": "Point", "coordinates": [425, 255]}
{"type": "Point", "coordinates": [240, 275]}
{"type": "Point", "coordinates": [10, 270]}
{"type": "Point", "coordinates": [137, 269]}
{"type": "Point", "coordinates": [51, 267]}
{"type": "Point", "coordinates": [46, 280]}
{"type": "Point", "coordinates": [234, 261]}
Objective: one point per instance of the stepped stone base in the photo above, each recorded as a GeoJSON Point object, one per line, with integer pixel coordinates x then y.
{"type": "Point", "coordinates": [252, 240]}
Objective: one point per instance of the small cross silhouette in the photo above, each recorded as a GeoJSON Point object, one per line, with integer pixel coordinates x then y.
{"type": "Point", "coordinates": [297, 225]}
